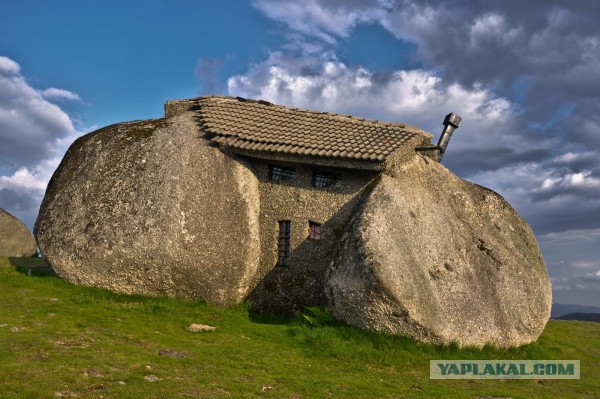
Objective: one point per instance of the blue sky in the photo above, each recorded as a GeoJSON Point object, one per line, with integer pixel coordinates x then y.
{"type": "Point", "coordinates": [523, 75]}
{"type": "Point", "coordinates": [121, 57]}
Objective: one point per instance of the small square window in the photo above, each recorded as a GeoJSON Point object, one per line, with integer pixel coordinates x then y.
{"type": "Point", "coordinates": [280, 173]}
{"type": "Point", "coordinates": [325, 179]}
{"type": "Point", "coordinates": [315, 231]}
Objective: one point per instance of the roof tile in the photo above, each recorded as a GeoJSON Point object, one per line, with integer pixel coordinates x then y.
{"type": "Point", "coordinates": [252, 125]}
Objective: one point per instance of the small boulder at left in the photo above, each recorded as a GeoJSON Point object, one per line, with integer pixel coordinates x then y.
{"type": "Point", "coordinates": [15, 237]}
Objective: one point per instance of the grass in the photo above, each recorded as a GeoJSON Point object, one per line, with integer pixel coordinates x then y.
{"type": "Point", "coordinates": [62, 340]}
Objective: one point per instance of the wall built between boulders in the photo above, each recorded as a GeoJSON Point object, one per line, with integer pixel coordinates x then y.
{"type": "Point", "coordinates": [301, 282]}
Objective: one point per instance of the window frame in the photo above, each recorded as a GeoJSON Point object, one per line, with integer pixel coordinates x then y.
{"type": "Point", "coordinates": [326, 179]}
{"type": "Point", "coordinates": [284, 242]}
{"type": "Point", "coordinates": [283, 173]}
{"type": "Point", "coordinates": [315, 231]}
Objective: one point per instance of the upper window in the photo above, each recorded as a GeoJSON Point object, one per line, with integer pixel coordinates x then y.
{"type": "Point", "coordinates": [315, 231]}
{"type": "Point", "coordinates": [325, 179]}
{"type": "Point", "coordinates": [279, 173]}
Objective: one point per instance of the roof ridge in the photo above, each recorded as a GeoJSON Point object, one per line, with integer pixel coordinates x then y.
{"type": "Point", "coordinates": [261, 102]}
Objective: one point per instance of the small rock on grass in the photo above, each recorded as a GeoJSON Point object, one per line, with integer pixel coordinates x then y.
{"type": "Point", "coordinates": [172, 353]}
{"type": "Point", "coordinates": [92, 372]}
{"type": "Point", "coordinates": [151, 378]}
{"type": "Point", "coordinates": [66, 394]}
{"type": "Point", "coordinates": [96, 387]}
{"type": "Point", "coordinates": [200, 328]}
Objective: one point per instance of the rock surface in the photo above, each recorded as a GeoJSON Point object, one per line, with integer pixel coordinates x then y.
{"type": "Point", "coordinates": [440, 259]}
{"type": "Point", "coordinates": [15, 237]}
{"type": "Point", "coordinates": [150, 207]}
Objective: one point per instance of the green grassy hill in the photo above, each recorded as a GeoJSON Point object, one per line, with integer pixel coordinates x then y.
{"type": "Point", "coordinates": [62, 340]}
{"type": "Point", "coordinates": [595, 317]}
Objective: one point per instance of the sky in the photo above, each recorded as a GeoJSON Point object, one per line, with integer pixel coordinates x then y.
{"type": "Point", "coordinates": [523, 75]}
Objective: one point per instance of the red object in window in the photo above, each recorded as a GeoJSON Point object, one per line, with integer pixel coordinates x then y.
{"type": "Point", "coordinates": [315, 231]}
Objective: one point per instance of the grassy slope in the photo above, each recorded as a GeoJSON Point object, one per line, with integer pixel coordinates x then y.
{"type": "Point", "coordinates": [58, 338]}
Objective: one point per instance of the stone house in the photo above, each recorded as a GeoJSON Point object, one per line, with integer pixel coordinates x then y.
{"type": "Point", "coordinates": [312, 168]}
{"type": "Point", "coordinates": [227, 199]}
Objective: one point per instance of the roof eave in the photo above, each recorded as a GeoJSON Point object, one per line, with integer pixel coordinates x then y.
{"type": "Point", "coordinates": [346, 163]}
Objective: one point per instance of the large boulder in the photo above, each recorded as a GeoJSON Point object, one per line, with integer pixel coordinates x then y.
{"type": "Point", "coordinates": [150, 207]}
{"type": "Point", "coordinates": [15, 237]}
{"type": "Point", "coordinates": [440, 259]}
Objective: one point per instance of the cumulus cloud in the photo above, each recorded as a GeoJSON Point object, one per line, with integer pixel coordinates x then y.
{"type": "Point", "coordinates": [24, 179]}
{"type": "Point", "coordinates": [30, 125]}
{"type": "Point", "coordinates": [8, 66]}
{"type": "Point", "coordinates": [401, 95]}
{"type": "Point", "coordinates": [546, 52]}
{"type": "Point", "coordinates": [34, 133]}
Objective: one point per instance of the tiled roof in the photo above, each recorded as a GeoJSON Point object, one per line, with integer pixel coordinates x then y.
{"type": "Point", "coordinates": [261, 126]}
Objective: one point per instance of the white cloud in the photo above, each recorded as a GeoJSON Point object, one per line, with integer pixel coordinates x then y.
{"type": "Point", "coordinates": [590, 281]}
{"type": "Point", "coordinates": [34, 134]}
{"type": "Point", "coordinates": [24, 179]}
{"type": "Point", "coordinates": [571, 180]}
{"type": "Point", "coordinates": [413, 96]}
{"type": "Point", "coordinates": [60, 94]}
{"type": "Point", "coordinates": [586, 264]}
{"type": "Point", "coordinates": [572, 236]}
{"type": "Point", "coordinates": [323, 20]}
{"type": "Point", "coordinates": [572, 157]}
{"type": "Point", "coordinates": [29, 124]}
{"type": "Point", "coordinates": [8, 66]}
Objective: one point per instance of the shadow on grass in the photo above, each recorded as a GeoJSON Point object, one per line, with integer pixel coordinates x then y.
{"type": "Point", "coordinates": [32, 266]}
{"type": "Point", "coordinates": [309, 315]}
{"type": "Point", "coordinates": [323, 333]}
{"type": "Point", "coordinates": [256, 316]}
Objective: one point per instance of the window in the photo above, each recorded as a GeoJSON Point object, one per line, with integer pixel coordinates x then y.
{"type": "Point", "coordinates": [325, 179]}
{"type": "Point", "coordinates": [315, 231]}
{"type": "Point", "coordinates": [280, 173]}
{"type": "Point", "coordinates": [283, 249]}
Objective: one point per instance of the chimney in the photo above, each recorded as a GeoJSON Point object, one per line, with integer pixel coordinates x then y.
{"type": "Point", "coordinates": [451, 122]}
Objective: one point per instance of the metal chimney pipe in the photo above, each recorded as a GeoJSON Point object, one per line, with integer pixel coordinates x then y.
{"type": "Point", "coordinates": [451, 122]}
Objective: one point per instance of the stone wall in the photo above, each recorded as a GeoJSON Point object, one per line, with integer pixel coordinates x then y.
{"type": "Point", "coordinates": [283, 288]}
